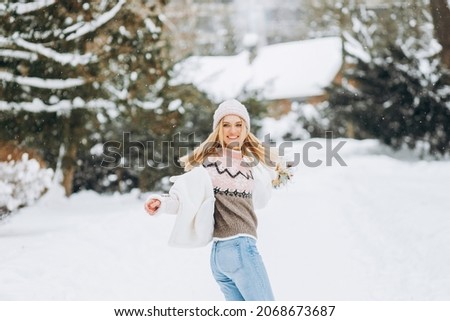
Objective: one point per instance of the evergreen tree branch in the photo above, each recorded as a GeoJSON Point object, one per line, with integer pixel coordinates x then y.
{"type": "Point", "coordinates": [38, 105]}
{"type": "Point", "coordinates": [40, 82]}
{"type": "Point", "coordinates": [95, 24]}
{"type": "Point", "coordinates": [23, 8]}
{"type": "Point", "coordinates": [18, 54]}
{"type": "Point", "coordinates": [62, 58]}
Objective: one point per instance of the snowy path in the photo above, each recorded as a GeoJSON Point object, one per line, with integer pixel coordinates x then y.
{"type": "Point", "coordinates": [378, 229]}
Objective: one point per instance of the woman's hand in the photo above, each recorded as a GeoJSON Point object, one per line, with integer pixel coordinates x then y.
{"type": "Point", "coordinates": [152, 205]}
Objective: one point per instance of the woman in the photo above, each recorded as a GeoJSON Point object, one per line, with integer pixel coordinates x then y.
{"type": "Point", "coordinates": [228, 176]}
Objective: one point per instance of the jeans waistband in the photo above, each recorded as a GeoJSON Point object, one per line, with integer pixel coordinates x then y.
{"type": "Point", "coordinates": [235, 240]}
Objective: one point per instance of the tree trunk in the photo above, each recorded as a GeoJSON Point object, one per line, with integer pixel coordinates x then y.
{"type": "Point", "coordinates": [441, 17]}
{"type": "Point", "coordinates": [68, 169]}
{"type": "Point", "coordinates": [73, 128]}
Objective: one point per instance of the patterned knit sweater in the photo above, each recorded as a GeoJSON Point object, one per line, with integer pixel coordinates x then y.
{"type": "Point", "coordinates": [233, 186]}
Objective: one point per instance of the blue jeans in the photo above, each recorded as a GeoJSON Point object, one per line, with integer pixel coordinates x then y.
{"type": "Point", "coordinates": [239, 270]}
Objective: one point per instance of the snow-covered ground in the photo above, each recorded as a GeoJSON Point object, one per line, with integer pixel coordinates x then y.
{"type": "Point", "coordinates": [377, 229]}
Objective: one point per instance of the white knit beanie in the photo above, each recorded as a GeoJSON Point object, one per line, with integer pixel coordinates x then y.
{"type": "Point", "coordinates": [231, 107]}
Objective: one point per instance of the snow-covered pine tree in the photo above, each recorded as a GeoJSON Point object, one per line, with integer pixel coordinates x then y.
{"type": "Point", "coordinates": [76, 74]}
{"type": "Point", "coordinates": [394, 87]}
{"type": "Point", "coordinates": [69, 58]}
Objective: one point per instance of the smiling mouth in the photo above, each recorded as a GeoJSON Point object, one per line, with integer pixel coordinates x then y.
{"type": "Point", "coordinates": [233, 137]}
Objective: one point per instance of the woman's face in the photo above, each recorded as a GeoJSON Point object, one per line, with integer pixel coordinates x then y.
{"type": "Point", "coordinates": [233, 129]}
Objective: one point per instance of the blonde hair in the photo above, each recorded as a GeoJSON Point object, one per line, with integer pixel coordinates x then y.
{"type": "Point", "coordinates": [251, 147]}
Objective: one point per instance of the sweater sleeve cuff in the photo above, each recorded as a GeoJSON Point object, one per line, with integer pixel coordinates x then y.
{"type": "Point", "coordinates": [169, 203]}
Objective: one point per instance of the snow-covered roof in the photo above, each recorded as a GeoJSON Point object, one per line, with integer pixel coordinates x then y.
{"type": "Point", "coordinates": [286, 70]}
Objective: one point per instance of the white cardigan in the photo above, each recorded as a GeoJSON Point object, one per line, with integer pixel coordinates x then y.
{"type": "Point", "coordinates": [194, 224]}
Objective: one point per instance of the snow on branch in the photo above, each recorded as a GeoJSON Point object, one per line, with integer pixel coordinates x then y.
{"type": "Point", "coordinates": [18, 54]}
{"type": "Point", "coordinates": [355, 48]}
{"type": "Point", "coordinates": [94, 24]}
{"type": "Point", "coordinates": [62, 58]}
{"type": "Point", "coordinates": [22, 8]}
{"type": "Point", "coordinates": [40, 82]}
{"type": "Point", "coordinates": [149, 105]}
{"type": "Point", "coordinates": [119, 94]}
{"type": "Point", "coordinates": [23, 182]}
{"type": "Point", "coordinates": [152, 27]}
{"type": "Point", "coordinates": [38, 105]}
{"type": "Point", "coordinates": [5, 41]}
